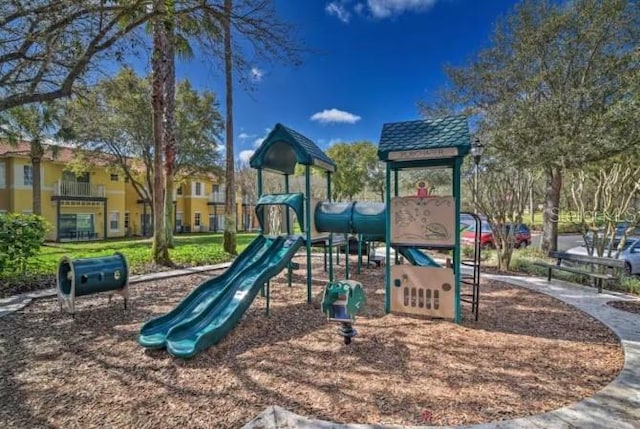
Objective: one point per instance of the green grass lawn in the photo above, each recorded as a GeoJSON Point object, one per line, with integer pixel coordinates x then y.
{"type": "Point", "coordinates": [190, 250]}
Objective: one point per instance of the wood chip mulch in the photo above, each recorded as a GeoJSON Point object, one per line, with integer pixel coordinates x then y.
{"type": "Point", "coordinates": [528, 354]}
{"type": "Point", "coordinates": [629, 306]}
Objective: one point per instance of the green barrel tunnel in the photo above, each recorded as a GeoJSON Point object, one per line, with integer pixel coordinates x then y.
{"type": "Point", "coordinates": [351, 218]}
{"type": "Point", "coordinates": [333, 217]}
{"type": "Point", "coordinates": [78, 277]}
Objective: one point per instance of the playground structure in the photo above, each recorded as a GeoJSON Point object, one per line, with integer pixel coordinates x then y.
{"type": "Point", "coordinates": [88, 276]}
{"type": "Point", "coordinates": [407, 224]}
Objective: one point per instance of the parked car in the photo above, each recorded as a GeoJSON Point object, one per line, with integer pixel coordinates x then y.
{"type": "Point", "coordinates": [621, 229]}
{"type": "Point", "coordinates": [630, 254]}
{"type": "Point", "coordinates": [521, 237]}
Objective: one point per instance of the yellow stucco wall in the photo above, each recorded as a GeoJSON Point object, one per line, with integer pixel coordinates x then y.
{"type": "Point", "coordinates": [20, 196]}
{"type": "Point", "coordinates": [122, 200]}
{"type": "Point", "coordinates": [4, 185]}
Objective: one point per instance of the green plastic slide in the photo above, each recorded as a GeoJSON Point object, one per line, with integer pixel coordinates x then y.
{"type": "Point", "coordinates": [154, 332]}
{"type": "Point", "coordinates": [417, 257]}
{"type": "Point", "coordinates": [221, 315]}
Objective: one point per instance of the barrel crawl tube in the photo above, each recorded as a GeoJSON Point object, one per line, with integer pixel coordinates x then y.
{"type": "Point", "coordinates": [79, 277]}
{"type": "Point", "coordinates": [367, 219]}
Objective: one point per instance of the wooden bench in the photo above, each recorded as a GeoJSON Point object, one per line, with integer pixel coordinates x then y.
{"type": "Point", "coordinates": [609, 264]}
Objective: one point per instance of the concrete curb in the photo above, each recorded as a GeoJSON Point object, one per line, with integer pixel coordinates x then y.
{"type": "Point", "coordinates": [617, 405]}
{"type": "Point", "coordinates": [18, 302]}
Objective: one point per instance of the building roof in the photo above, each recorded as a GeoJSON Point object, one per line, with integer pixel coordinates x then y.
{"type": "Point", "coordinates": [446, 132]}
{"type": "Point", "coordinates": [284, 147]}
{"type": "Point", "coordinates": [58, 154]}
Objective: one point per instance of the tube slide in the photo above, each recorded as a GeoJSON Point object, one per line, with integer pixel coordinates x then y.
{"type": "Point", "coordinates": [154, 332]}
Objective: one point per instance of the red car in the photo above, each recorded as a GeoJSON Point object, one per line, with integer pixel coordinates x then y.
{"type": "Point", "coordinates": [522, 236]}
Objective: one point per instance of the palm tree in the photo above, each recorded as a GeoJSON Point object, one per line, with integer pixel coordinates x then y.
{"type": "Point", "coordinates": [160, 252]}
{"type": "Point", "coordinates": [170, 122]}
{"type": "Point", "coordinates": [230, 193]}
{"type": "Point", "coordinates": [33, 122]}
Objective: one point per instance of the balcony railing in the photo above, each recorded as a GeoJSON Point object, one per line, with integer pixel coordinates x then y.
{"type": "Point", "coordinates": [63, 188]}
{"type": "Point", "coordinates": [217, 197]}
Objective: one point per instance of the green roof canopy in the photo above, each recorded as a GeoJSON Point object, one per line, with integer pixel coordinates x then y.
{"type": "Point", "coordinates": [284, 147]}
{"type": "Point", "coordinates": [441, 138]}
{"type": "Point", "coordinates": [295, 201]}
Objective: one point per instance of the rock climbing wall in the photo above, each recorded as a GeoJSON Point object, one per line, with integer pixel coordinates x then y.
{"type": "Point", "coordinates": [423, 221]}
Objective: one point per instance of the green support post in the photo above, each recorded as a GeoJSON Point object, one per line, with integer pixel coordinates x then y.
{"type": "Point", "coordinates": [307, 227]}
{"type": "Point", "coordinates": [259, 179]}
{"type": "Point", "coordinates": [330, 234]}
{"type": "Point", "coordinates": [387, 237]}
{"type": "Point", "coordinates": [359, 252]}
{"type": "Point", "coordinates": [456, 249]}
{"type": "Point", "coordinates": [286, 191]}
{"type": "Point", "coordinates": [395, 194]}
{"type": "Point", "coordinates": [346, 259]}
{"type": "Point", "coordinates": [268, 296]}
{"type": "Point", "coordinates": [330, 257]}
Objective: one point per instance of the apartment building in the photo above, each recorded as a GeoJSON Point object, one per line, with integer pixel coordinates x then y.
{"type": "Point", "coordinates": [99, 204]}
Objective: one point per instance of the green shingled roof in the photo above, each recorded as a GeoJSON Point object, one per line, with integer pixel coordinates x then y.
{"type": "Point", "coordinates": [284, 147]}
{"type": "Point", "coordinates": [450, 131]}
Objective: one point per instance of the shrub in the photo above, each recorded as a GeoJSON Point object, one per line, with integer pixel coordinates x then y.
{"type": "Point", "coordinates": [630, 284]}
{"type": "Point", "coordinates": [20, 239]}
{"type": "Point", "coordinates": [467, 252]}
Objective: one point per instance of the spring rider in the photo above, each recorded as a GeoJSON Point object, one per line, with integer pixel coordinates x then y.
{"type": "Point", "coordinates": [341, 301]}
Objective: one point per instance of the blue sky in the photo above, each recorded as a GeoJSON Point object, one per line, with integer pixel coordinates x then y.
{"type": "Point", "coordinates": [373, 61]}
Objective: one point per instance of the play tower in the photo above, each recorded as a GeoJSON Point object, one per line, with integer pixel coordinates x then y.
{"type": "Point", "coordinates": [423, 221]}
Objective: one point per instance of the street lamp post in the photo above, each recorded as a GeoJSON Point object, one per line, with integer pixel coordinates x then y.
{"type": "Point", "coordinates": [476, 150]}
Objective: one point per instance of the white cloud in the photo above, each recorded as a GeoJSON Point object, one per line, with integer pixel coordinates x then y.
{"type": "Point", "coordinates": [338, 9]}
{"type": "Point", "coordinates": [334, 115]}
{"type": "Point", "coordinates": [245, 155]}
{"type": "Point", "coordinates": [334, 141]}
{"type": "Point", "coordinates": [257, 142]}
{"type": "Point", "coordinates": [379, 9]}
{"type": "Point", "coordinates": [256, 74]}
{"type": "Point", "coordinates": [387, 8]}
{"type": "Point", "coordinates": [245, 136]}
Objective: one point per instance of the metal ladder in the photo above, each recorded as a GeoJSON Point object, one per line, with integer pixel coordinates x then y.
{"type": "Point", "coordinates": [473, 280]}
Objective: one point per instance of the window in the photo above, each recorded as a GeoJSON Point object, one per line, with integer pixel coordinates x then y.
{"type": "Point", "coordinates": [179, 218]}
{"type": "Point", "coordinates": [126, 220]}
{"type": "Point", "coordinates": [198, 188]}
{"type": "Point", "coordinates": [215, 188]}
{"type": "Point", "coordinates": [179, 190]}
{"type": "Point", "coordinates": [196, 221]}
{"type": "Point", "coordinates": [126, 179]}
{"type": "Point", "coordinates": [114, 218]}
{"type": "Point", "coordinates": [3, 174]}
{"type": "Point", "coordinates": [27, 176]}
{"type": "Point", "coordinates": [114, 177]}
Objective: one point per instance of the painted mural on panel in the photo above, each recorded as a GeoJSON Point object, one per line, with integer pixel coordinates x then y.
{"type": "Point", "coordinates": [423, 221]}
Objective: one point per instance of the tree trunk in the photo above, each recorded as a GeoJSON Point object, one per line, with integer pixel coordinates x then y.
{"type": "Point", "coordinates": [160, 251]}
{"type": "Point", "coordinates": [230, 200]}
{"type": "Point", "coordinates": [551, 208]}
{"type": "Point", "coordinates": [170, 130]}
{"type": "Point", "coordinates": [37, 152]}
{"type": "Point", "coordinates": [532, 211]}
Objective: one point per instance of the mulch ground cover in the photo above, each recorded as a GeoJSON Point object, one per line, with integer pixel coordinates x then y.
{"type": "Point", "coordinates": [628, 306]}
{"type": "Point", "coordinates": [528, 354]}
